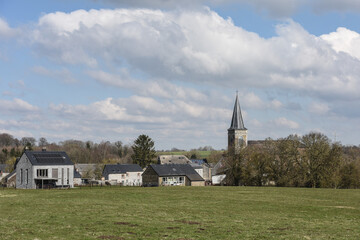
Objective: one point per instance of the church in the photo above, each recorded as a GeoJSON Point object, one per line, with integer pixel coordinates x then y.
{"type": "Point", "coordinates": [237, 133]}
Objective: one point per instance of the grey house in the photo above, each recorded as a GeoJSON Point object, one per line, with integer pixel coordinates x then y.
{"type": "Point", "coordinates": [44, 170]}
{"type": "Point", "coordinates": [171, 175]}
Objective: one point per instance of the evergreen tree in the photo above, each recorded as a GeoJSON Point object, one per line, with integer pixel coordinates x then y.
{"type": "Point", "coordinates": [144, 151]}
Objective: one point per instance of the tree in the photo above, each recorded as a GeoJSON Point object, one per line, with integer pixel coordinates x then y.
{"type": "Point", "coordinates": [319, 158]}
{"type": "Point", "coordinates": [144, 151]}
{"type": "Point", "coordinates": [43, 142]}
{"type": "Point", "coordinates": [6, 140]}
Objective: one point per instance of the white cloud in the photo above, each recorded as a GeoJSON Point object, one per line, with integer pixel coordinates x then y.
{"type": "Point", "coordinates": [17, 105]}
{"type": "Point", "coordinates": [284, 122]}
{"type": "Point", "coordinates": [319, 108]}
{"type": "Point", "coordinates": [196, 46]}
{"type": "Point", "coordinates": [5, 30]}
{"type": "Point", "coordinates": [344, 40]}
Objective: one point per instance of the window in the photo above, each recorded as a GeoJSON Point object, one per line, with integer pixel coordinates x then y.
{"type": "Point", "coordinates": [21, 176]}
{"type": "Point", "coordinates": [55, 173]}
{"type": "Point", "coordinates": [41, 172]}
{"type": "Point", "coordinates": [27, 176]}
{"type": "Point", "coordinates": [68, 176]}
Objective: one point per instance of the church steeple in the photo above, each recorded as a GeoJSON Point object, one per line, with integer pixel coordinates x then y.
{"type": "Point", "coordinates": [237, 120]}
{"type": "Point", "coordinates": [237, 133]}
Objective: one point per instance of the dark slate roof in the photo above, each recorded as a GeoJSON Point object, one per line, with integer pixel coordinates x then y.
{"type": "Point", "coordinates": [120, 169]}
{"type": "Point", "coordinates": [237, 122]}
{"type": "Point", "coordinates": [177, 170]}
{"type": "Point", "coordinates": [76, 174]}
{"type": "Point", "coordinates": [198, 161]}
{"type": "Point", "coordinates": [48, 158]}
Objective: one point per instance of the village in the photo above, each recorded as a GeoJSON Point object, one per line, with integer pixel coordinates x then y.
{"type": "Point", "coordinates": [54, 169]}
{"type": "Point", "coordinates": [284, 162]}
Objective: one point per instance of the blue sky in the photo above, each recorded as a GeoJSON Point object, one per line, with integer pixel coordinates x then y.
{"type": "Point", "coordinates": [112, 70]}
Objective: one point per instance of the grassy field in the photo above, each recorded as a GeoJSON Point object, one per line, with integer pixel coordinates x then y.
{"type": "Point", "coordinates": [180, 213]}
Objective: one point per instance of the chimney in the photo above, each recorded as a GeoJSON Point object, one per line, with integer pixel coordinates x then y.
{"type": "Point", "coordinates": [43, 149]}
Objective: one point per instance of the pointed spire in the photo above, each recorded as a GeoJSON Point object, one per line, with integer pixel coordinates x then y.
{"type": "Point", "coordinates": [237, 120]}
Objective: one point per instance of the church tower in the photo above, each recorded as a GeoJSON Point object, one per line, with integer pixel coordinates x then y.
{"type": "Point", "coordinates": [237, 133]}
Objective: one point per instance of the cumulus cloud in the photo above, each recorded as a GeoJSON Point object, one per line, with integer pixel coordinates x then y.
{"type": "Point", "coordinates": [344, 40]}
{"type": "Point", "coordinates": [284, 122]}
{"type": "Point", "coordinates": [17, 105]}
{"type": "Point", "coordinates": [197, 46]}
{"type": "Point", "coordinates": [5, 30]}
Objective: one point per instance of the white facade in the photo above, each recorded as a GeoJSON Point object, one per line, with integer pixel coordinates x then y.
{"type": "Point", "coordinates": [126, 179]}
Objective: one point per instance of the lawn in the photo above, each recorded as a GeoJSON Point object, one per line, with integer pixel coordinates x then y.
{"type": "Point", "coordinates": [180, 213]}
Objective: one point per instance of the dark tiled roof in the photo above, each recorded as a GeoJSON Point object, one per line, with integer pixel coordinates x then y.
{"type": "Point", "coordinates": [76, 174]}
{"type": "Point", "coordinates": [120, 169]}
{"type": "Point", "coordinates": [48, 158]}
{"type": "Point", "coordinates": [198, 161]}
{"type": "Point", "coordinates": [177, 170]}
{"type": "Point", "coordinates": [237, 120]}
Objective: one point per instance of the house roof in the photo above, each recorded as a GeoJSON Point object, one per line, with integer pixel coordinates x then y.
{"type": "Point", "coordinates": [76, 174]}
{"type": "Point", "coordinates": [48, 158]}
{"type": "Point", "coordinates": [237, 122]}
{"type": "Point", "coordinates": [120, 169]}
{"type": "Point", "coordinates": [198, 161]}
{"type": "Point", "coordinates": [10, 175]}
{"type": "Point", "coordinates": [176, 170]}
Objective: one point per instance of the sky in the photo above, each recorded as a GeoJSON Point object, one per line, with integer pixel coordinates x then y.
{"type": "Point", "coordinates": [107, 70]}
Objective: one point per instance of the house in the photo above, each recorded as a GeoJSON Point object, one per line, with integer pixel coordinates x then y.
{"type": "Point", "coordinates": [3, 171]}
{"type": "Point", "coordinates": [173, 159]}
{"type": "Point", "coordinates": [86, 170]}
{"type": "Point", "coordinates": [77, 178]}
{"type": "Point", "coordinates": [171, 175]}
{"type": "Point", "coordinates": [124, 174]}
{"type": "Point", "coordinates": [43, 169]}
{"type": "Point", "coordinates": [203, 168]}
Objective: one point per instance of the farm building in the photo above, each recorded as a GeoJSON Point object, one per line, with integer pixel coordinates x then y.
{"type": "Point", "coordinates": [171, 175]}
{"type": "Point", "coordinates": [44, 170]}
{"type": "Point", "coordinates": [124, 174]}
{"type": "Point", "coordinates": [173, 159]}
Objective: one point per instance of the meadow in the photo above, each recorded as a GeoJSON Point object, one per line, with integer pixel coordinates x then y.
{"type": "Point", "coordinates": [180, 213]}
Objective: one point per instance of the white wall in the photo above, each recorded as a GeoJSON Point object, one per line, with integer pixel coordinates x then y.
{"type": "Point", "coordinates": [127, 179]}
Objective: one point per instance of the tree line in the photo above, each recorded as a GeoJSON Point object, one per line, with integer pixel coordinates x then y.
{"type": "Point", "coordinates": [78, 151]}
{"type": "Point", "coordinates": [308, 161]}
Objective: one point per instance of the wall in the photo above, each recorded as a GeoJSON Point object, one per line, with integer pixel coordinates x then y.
{"type": "Point", "coordinates": [198, 183]}
{"type": "Point", "coordinates": [23, 170]}
{"type": "Point", "coordinates": [127, 179]}
{"type": "Point", "coordinates": [150, 177]}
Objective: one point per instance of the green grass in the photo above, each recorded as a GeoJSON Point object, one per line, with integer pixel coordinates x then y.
{"type": "Point", "coordinates": [180, 213]}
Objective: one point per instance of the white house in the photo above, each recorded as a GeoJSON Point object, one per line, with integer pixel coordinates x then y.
{"type": "Point", "coordinates": [124, 174]}
{"type": "Point", "coordinates": [44, 170]}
